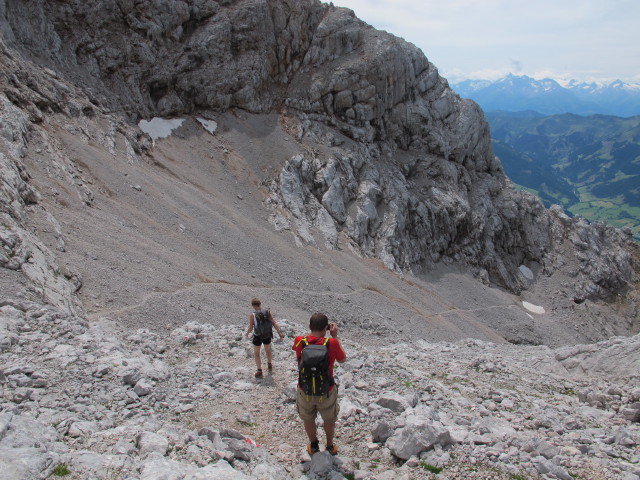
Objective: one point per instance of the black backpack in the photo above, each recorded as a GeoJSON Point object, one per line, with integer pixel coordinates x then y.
{"type": "Point", "coordinates": [263, 327]}
{"type": "Point", "coordinates": [313, 372]}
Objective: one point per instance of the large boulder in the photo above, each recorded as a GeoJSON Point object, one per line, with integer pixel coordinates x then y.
{"type": "Point", "coordinates": [418, 435]}
{"type": "Point", "coordinates": [28, 449]}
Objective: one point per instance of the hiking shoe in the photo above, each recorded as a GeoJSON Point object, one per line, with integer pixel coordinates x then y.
{"type": "Point", "coordinates": [270, 366]}
{"type": "Point", "coordinates": [258, 374]}
{"type": "Point", "coordinates": [313, 447]}
{"type": "Point", "coordinates": [332, 449]}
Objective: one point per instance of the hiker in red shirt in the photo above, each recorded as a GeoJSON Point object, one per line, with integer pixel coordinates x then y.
{"type": "Point", "coordinates": [318, 394]}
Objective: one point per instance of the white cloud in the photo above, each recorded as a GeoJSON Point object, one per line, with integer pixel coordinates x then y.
{"type": "Point", "coordinates": [457, 75]}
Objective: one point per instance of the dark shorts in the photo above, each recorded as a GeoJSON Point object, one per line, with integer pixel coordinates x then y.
{"type": "Point", "coordinates": [257, 341]}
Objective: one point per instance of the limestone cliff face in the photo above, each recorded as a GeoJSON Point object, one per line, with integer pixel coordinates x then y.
{"type": "Point", "coordinates": [412, 179]}
{"type": "Point", "coordinates": [168, 57]}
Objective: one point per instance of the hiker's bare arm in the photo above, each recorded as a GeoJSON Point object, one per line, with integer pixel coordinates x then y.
{"type": "Point", "coordinates": [275, 324]}
{"type": "Point", "coordinates": [342, 356]}
{"type": "Point", "coordinates": [333, 331]}
{"type": "Point", "coordinates": [250, 327]}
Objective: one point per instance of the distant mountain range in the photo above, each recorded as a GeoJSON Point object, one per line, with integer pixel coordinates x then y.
{"type": "Point", "coordinates": [515, 93]}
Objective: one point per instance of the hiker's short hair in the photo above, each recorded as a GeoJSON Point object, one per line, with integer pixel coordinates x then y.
{"type": "Point", "coordinates": [255, 302]}
{"type": "Point", "coordinates": [318, 321]}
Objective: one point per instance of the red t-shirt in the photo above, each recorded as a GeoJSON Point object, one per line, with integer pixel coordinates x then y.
{"type": "Point", "coordinates": [335, 351]}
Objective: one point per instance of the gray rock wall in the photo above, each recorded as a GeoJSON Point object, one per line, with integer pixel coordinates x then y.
{"type": "Point", "coordinates": [419, 185]}
{"type": "Point", "coordinates": [20, 248]}
{"type": "Point", "coordinates": [168, 57]}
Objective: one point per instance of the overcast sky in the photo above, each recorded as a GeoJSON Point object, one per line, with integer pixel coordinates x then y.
{"type": "Point", "coordinates": [486, 39]}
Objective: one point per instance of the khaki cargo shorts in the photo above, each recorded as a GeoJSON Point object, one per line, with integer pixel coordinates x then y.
{"type": "Point", "coordinates": [309, 406]}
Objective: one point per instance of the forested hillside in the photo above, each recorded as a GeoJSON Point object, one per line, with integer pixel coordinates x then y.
{"type": "Point", "coordinates": [589, 165]}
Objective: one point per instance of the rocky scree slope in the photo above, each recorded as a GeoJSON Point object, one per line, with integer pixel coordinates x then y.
{"type": "Point", "coordinates": [155, 233]}
{"type": "Point", "coordinates": [420, 185]}
{"type": "Point", "coordinates": [184, 403]}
